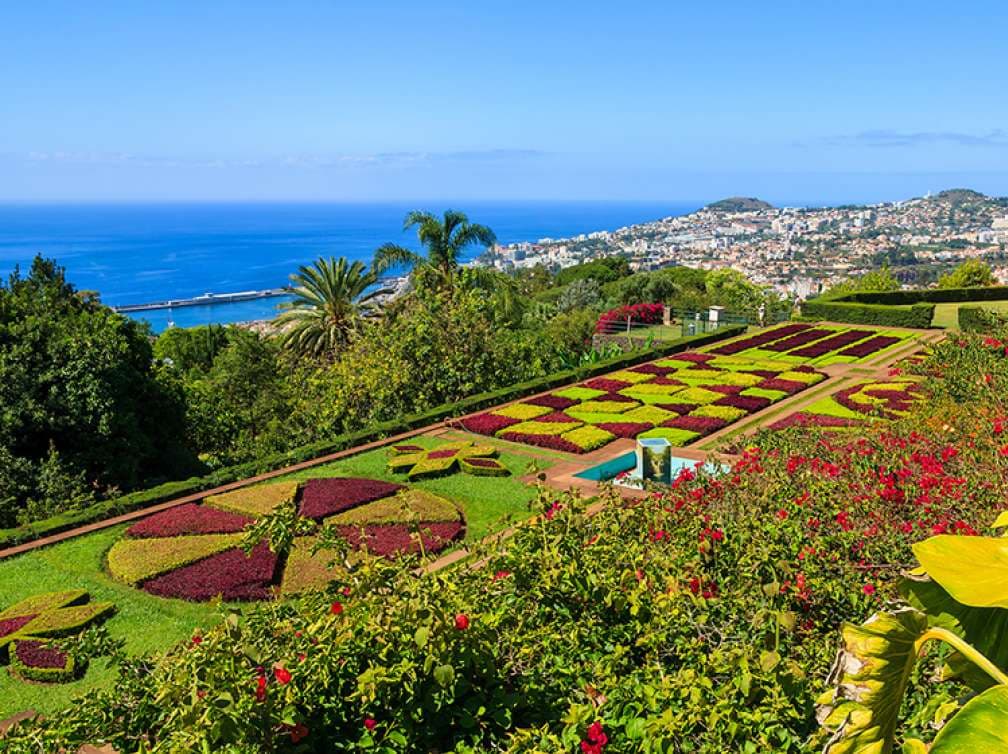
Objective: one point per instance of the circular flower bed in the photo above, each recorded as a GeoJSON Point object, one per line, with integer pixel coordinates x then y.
{"type": "Point", "coordinates": [195, 551]}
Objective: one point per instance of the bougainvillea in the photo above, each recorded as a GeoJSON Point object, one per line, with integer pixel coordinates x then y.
{"type": "Point", "coordinates": [612, 320]}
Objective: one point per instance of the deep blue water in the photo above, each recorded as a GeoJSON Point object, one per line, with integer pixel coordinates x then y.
{"type": "Point", "coordinates": [137, 253]}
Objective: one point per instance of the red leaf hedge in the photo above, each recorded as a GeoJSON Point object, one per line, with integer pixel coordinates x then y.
{"type": "Point", "coordinates": [757, 340]}
{"type": "Point", "coordinates": [870, 346]}
{"type": "Point", "coordinates": [834, 343]}
{"type": "Point", "coordinates": [704, 425]}
{"type": "Point", "coordinates": [230, 574]}
{"type": "Point", "coordinates": [189, 519]}
{"type": "Point", "coordinates": [549, 401]}
{"type": "Point", "coordinates": [394, 539]}
{"type": "Point", "coordinates": [553, 442]}
{"type": "Point", "coordinates": [37, 654]}
{"type": "Point", "coordinates": [750, 403]}
{"type": "Point", "coordinates": [491, 424]}
{"type": "Point", "coordinates": [796, 340]}
{"type": "Point", "coordinates": [323, 497]}
{"type": "Point", "coordinates": [624, 429]}
{"type": "Point", "coordinates": [696, 358]}
{"type": "Point", "coordinates": [680, 408]}
{"type": "Point", "coordinates": [601, 383]}
{"type": "Point", "coordinates": [785, 386]}
{"type": "Point", "coordinates": [556, 416]}
{"type": "Point", "coordinates": [10, 625]}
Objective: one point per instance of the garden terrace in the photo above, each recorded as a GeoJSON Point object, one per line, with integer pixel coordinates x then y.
{"type": "Point", "coordinates": [856, 404]}
{"type": "Point", "coordinates": [152, 621]}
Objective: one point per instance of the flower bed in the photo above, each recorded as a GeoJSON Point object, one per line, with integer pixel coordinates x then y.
{"type": "Point", "coordinates": [201, 566]}
{"type": "Point", "coordinates": [255, 501]}
{"type": "Point", "coordinates": [755, 341]}
{"type": "Point", "coordinates": [870, 346]}
{"type": "Point", "coordinates": [189, 519]}
{"type": "Point", "coordinates": [447, 458]}
{"type": "Point", "coordinates": [324, 497]}
{"type": "Point", "coordinates": [702, 425]}
{"type": "Point", "coordinates": [797, 340]}
{"type": "Point", "coordinates": [833, 343]}
{"type": "Point", "coordinates": [27, 626]}
{"type": "Point", "coordinates": [630, 402]}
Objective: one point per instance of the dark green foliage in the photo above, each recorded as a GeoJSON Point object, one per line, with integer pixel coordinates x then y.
{"type": "Point", "coordinates": [82, 410]}
{"type": "Point", "coordinates": [917, 315]}
{"type": "Point", "coordinates": [604, 270]}
{"type": "Point", "coordinates": [976, 318]}
{"type": "Point", "coordinates": [930, 295]}
{"type": "Point", "coordinates": [192, 348]}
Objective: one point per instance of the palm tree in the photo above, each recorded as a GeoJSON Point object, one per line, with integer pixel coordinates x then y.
{"type": "Point", "coordinates": [331, 297]}
{"type": "Point", "coordinates": [444, 241]}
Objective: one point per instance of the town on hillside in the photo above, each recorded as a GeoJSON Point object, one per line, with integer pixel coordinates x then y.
{"type": "Point", "coordinates": [797, 251]}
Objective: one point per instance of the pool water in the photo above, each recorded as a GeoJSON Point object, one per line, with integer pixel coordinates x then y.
{"type": "Point", "coordinates": [612, 468]}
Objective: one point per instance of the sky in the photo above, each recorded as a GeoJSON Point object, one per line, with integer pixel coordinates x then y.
{"type": "Point", "coordinates": [806, 102]}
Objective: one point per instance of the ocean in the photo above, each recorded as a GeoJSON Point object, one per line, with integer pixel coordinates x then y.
{"type": "Point", "coordinates": [139, 253]}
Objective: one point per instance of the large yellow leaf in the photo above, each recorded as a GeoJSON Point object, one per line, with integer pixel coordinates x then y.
{"type": "Point", "coordinates": [981, 726]}
{"type": "Point", "coordinates": [974, 570]}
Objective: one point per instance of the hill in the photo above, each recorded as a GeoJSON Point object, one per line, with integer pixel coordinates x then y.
{"type": "Point", "coordinates": [739, 204]}
{"type": "Point", "coordinates": [960, 196]}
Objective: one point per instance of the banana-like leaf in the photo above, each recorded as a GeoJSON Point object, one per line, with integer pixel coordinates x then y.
{"type": "Point", "coordinates": [985, 628]}
{"type": "Point", "coordinates": [1001, 521]}
{"type": "Point", "coordinates": [980, 726]}
{"type": "Point", "coordinates": [974, 570]}
{"type": "Point", "coordinates": [870, 676]}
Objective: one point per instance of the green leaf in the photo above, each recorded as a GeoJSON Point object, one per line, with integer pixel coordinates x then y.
{"type": "Point", "coordinates": [444, 675]}
{"type": "Point", "coordinates": [769, 660]}
{"type": "Point", "coordinates": [974, 570]}
{"type": "Point", "coordinates": [421, 636]}
{"type": "Point", "coordinates": [980, 726]}
{"type": "Point", "coordinates": [1001, 521]}
{"type": "Point", "coordinates": [871, 674]}
{"type": "Point", "coordinates": [986, 628]}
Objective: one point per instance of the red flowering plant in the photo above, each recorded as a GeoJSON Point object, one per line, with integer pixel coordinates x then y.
{"type": "Point", "coordinates": [648, 314]}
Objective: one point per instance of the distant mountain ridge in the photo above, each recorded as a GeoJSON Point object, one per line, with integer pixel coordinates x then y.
{"type": "Point", "coordinates": [739, 204]}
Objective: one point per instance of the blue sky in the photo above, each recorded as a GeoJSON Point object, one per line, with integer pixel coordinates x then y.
{"type": "Point", "coordinates": [793, 101]}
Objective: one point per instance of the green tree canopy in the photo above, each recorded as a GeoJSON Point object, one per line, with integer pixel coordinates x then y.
{"type": "Point", "coordinates": [973, 273]}
{"type": "Point", "coordinates": [83, 411]}
{"type": "Point", "coordinates": [875, 281]}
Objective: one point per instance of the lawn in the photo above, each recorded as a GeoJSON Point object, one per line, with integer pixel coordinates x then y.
{"type": "Point", "coordinates": [947, 315]}
{"type": "Point", "coordinates": [146, 623]}
{"type": "Point", "coordinates": [486, 501]}
{"type": "Point", "coordinates": [150, 623]}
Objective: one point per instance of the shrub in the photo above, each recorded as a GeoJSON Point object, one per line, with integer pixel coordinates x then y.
{"type": "Point", "coordinates": [231, 575]}
{"type": "Point", "coordinates": [747, 403]}
{"type": "Point", "coordinates": [649, 314]}
{"type": "Point", "coordinates": [628, 430]}
{"type": "Point", "coordinates": [39, 661]}
{"type": "Point", "coordinates": [701, 425]}
{"type": "Point", "coordinates": [255, 501]}
{"type": "Point", "coordinates": [725, 413]}
{"type": "Point", "coordinates": [324, 497]}
{"type": "Point", "coordinates": [135, 560]}
{"type": "Point", "coordinates": [756, 341]}
{"type": "Point", "coordinates": [917, 315]}
{"type": "Point", "coordinates": [647, 415]}
{"type": "Point", "coordinates": [484, 467]}
{"type": "Point", "coordinates": [390, 540]}
{"type": "Point", "coordinates": [554, 401]}
{"type": "Point", "coordinates": [491, 424]}
{"type": "Point", "coordinates": [674, 435]}
{"type": "Point", "coordinates": [405, 505]}
{"type": "Point", "coordinates": [521, 411]}
{"type": "Point", "coordinates": [189, 519]}
{"type": "Point", "coordinates": [834, 343]}
{"type": "Point", "coordinates": [606, 384]}
{"type": "Point", "coordinates": [606, 406]}
{"type": "Point", "coordinates": [868, 347]}
{"type": "Point", "coordinates": [540, 428]}
{"type": "Point", "coordinates": [579, 393]}
{"type": "Point", "coordinates": [697, 395]}
{"type": "Point", "coordinates": [588, 438]}
{"type": "Point", "coordinates": [550, 441]}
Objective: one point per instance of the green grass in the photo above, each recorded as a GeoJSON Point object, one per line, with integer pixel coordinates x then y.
{"type": "Point", "coordinates": [146, 623]}
{"type": "Point", "coordinates": [151, 624]}
{"type": "Point", "coordinates": [947, 315]}
{"type": "Point", "coordinates": [488, 502]}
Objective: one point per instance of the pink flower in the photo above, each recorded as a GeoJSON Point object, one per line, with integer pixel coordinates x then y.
{"type": "Point", "coordinates": [868, 588]}
{"type": "Point", "coordinates": [370, 723]}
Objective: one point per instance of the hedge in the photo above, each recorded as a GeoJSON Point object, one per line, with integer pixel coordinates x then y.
{"type": "Point", "coordinates": [170, 490]}
{"type": "Point", "coordinates": [976, 318]}
{"type": "Point", "coordinates": [918, 315]}
{"type": "Point", "coordinates": [928, 295]}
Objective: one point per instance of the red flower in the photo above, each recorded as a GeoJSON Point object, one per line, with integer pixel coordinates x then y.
{"type": "Point", "coordinates": [461, 621]}
{"type": "Point", "coordinates": [370, 723]}
{"type": "Point", "coordinates": [197, 640]}
{"type": "Point", "coordinates": [501, 575]}
{"type": "Point", "coordinates": [336, 608]}
{"type": "Point", "coordinates": [283, 676]}
{"type": "Point", "coordinates": [260, 692]}
{"type": "Point", "coordinates": [297, 732]}
{"type": "Point", "coordinates": [868, 588]}
{"type": "Point", "coordinates": [595, 739]}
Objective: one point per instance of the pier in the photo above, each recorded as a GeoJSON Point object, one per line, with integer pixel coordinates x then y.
{"type": "Point", "coordinates": [207, 299]}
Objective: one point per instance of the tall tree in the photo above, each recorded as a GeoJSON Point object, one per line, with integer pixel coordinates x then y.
{"type": "Point", "coordinates": [973, 273]}
{"type": "Point", "coordinates": [444, 241]}
{"type": "Point", "coordinates": [331, 297]}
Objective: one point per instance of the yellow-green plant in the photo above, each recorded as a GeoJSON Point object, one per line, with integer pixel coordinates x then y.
{"type": "Point", "coordinates": [959, 596]}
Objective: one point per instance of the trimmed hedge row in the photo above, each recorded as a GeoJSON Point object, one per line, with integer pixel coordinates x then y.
{"type": "Point", "coordinates": [976, 318]}
{"type": "Point", "coordinates": [928, 295]}
{"type": "Point", "coordinates": [143, 498]}
{"type": "Point", "coordinates": [917, 315]}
